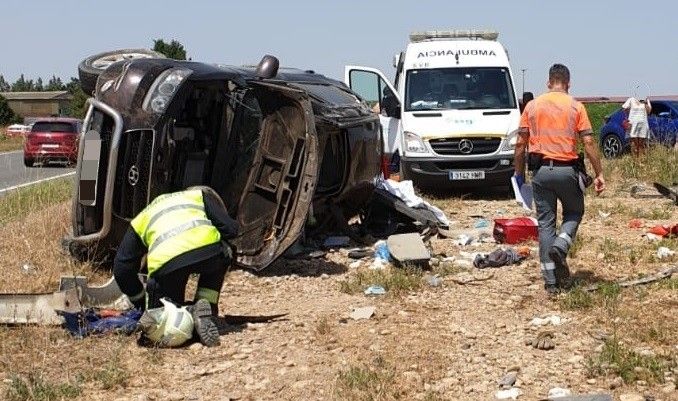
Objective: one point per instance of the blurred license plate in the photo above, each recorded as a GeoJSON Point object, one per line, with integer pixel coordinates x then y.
{"type": "Point", "coordinates": [467, 175]}
{"type": "Point", "coordinates": [89, 168]}
{"type": "Point", "coordinates": [50, 145]}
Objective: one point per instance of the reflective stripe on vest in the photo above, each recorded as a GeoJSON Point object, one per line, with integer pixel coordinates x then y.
{"type": "Point", "coordinates": [552, 135]}
{"type": "Point", "coordinates": [174, 224]}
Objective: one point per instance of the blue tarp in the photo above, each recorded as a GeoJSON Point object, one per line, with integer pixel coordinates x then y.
{"type": "Point", "coordinates": [82, 324]}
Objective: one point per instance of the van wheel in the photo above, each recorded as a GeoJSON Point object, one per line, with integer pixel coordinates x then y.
{"type": "Point", "coordinates": [28, 162]}
{"type": "Point", "coordinates": [90, 68]}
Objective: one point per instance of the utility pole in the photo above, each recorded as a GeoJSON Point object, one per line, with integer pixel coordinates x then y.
{"type": "Point", "coordinates": [523, 71]}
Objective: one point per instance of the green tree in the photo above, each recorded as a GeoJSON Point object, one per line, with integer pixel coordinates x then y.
{"type": "Point", "coordinates": [4, 85]}
{"type": "Point", "coordinates": [78, 106]}
{"type": "Point", "coordinates": [73, 85]}
{"type": "Point", "coordinates": [39, 87]}
{"type": "Point", "coordinates": [55, 84]}
{"type": "Point", "coordinates": [173, 49]}
{"type": "Point", "coordinates": [7, 115]}
{"type": "Point", "coordinates": [22, 85]}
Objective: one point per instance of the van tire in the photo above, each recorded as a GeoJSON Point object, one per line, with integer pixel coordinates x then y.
{"type": "Point", "coordinates": [89, 72]}
{"type": "Point", "coordinates": [28, 162]}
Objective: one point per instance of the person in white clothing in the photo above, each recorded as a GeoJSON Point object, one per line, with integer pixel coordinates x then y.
{"type": "Point", "coordinates": [637, 111]}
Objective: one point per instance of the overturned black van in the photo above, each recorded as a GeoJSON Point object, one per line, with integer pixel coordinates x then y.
{"type": "Point", "coordinates": [278, 146]}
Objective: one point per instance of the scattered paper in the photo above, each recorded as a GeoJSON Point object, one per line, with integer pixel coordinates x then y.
{"type": "Point", "coordinates": [558, 392]}
{"type": "Point", "coordinates": [552, 320]}
{"type": "Point", "coordinates": [513, 394]}
{"type": "Point", "coordinates": [375, 290]}
{"type": "Point", "coordinates": [365, 312]}
{"type": "Point", "coordinates": [604, 215]}
{"type": "Point", "coordinates": [524, 195]}
{"type": "Point", "coordinates": [405, 191]}
{"type": "Point", "coordinates": [664, 252]}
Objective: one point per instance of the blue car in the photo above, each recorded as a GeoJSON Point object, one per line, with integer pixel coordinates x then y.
{"type": "Point", "coordinates": [663, 121]}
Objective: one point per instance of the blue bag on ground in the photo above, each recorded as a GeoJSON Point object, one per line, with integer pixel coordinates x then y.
{"type": "Point", "coordinates": [82, 324]}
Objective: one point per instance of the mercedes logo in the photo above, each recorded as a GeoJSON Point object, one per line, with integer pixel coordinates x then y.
{"type": "Point", "coordinates": [465, 146]}
{"type": "Point", "coordinates": [133, 175]}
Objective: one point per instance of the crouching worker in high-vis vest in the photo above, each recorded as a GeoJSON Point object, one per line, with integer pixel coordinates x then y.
{"type": "Point", "coordinates": [180, 233]}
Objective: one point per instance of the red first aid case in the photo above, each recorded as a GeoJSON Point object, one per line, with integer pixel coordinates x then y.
{"type": "Point", "coordinates": [513, 231]}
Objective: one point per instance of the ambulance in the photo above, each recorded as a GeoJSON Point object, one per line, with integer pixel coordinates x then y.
{"type": "Point", "coordinates": [451, 118]}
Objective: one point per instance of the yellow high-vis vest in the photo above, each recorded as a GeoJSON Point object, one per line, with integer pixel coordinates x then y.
{"type": "Point", "coordinates": [174, 224]}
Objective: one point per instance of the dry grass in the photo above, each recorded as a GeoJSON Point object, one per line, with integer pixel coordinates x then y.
{"type": "Point", "coordinates": [323, 326]}
{"type": "Point", "coordinates": [579, 299]}
{"type": "Point", "coordinates": [33, 221]}
{"type": "Point", "coordinates": [629, 323]}
{"type": "Point", "coordinates": [111, 367]}
{"type": "Point", "coordinates": [9, 144]}
{"type": "Point", "coordinates": [45, 363]}
{"type": "Point", "coordinates": [19, 203]}
{"type": "Point", "coordinates": [368, 382]}
{"type": "Point", "coordinates": [396, 281]}
{"type": "Point", "coordinates": [34, 387]}
{"type": "Point", "coordinates": [616, 358]}
{"type": "Point", "coordinates": [658, 164]}
{"type": "Point", "coordinates": [35, 242]}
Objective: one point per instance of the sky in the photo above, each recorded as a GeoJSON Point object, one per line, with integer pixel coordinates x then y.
{"type": "Point", "coordinates": [611, 47]}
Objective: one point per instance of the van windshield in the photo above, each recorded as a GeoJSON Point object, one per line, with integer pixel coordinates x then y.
{"type": "Point", "coordinates": [459, 88]}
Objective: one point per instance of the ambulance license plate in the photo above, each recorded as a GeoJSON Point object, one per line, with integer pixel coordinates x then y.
{"type": "Point", "coordinates": [466, 175]}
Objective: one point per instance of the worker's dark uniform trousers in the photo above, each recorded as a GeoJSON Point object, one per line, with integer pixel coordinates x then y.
{"type": "Point", "coordinates": [552, 182]}
{"type": "Point", "coordinates": [210, 262]}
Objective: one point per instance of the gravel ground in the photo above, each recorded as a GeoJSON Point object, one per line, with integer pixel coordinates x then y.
{"type": "Point", "coordinates": [449, 342]}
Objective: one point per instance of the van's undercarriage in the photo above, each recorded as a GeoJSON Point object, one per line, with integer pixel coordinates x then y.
{"type": "Point", "coordinates": [266, 148]}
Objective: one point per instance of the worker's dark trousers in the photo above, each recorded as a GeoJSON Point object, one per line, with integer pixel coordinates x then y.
{"type": "Point", "coordinates": [173, 284]}
{"type": "Point", "coordinates": [552, 184]}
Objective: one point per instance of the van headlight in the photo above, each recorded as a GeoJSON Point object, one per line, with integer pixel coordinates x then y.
{"type": "Point", "coordinates": [510, 141]}
{"type": "Point", "coordinates": [414, 143]}
{"type": "Point", "coordinates": [164, 88]}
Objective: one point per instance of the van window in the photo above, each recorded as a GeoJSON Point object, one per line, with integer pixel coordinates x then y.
{"type": "Point", "coordinates": [376, 93]}
{"type": "Point", "coordinates": [330, 94]}
{"type": "Point", "coordinates": [459, 88]}
{"type": "Point", "coordinates": [49, 126]}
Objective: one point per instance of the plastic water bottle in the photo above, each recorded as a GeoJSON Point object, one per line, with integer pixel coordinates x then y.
{"type": "Point", "coordinates": [381, 251]}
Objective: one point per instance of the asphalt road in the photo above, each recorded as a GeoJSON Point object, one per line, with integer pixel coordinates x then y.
{"type": "Point", "coordinates": [13, 173]}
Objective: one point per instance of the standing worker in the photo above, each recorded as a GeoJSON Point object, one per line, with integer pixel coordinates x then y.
{"type": "Point", "coordinates": [180, 233]}
{"type": "Point", "coordinates": [550, 127]}
{"type": "Point", "coordinates": [637, 111]}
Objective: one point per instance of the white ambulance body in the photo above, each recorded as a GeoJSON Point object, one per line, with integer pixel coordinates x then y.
{"type": "Point", "coordinates": [452, 115]}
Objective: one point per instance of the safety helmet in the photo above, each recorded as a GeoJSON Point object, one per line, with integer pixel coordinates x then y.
{"type": "Point", "coordinates": [168, 326]}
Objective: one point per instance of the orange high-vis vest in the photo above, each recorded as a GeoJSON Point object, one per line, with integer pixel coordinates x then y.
{"type": "Point", "coordinates": [554, 121]}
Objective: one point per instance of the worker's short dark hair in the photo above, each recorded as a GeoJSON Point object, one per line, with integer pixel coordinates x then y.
{"type": "Point", "coordinates": [559, 73]}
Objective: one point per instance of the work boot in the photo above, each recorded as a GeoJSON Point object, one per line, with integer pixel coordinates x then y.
{"type": "Point", "coordinates": [552, 290]}
{"type": "Point", "coordinates": [203, 323]}
{"type": "Point", "coordinates": [559, 257]}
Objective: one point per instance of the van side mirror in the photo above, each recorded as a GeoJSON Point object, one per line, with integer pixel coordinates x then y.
{"type": "Point", "coordinates": [268, 67]}
{"type": "Point", "coordinates": [391, 106]}
{"type": "Point", "coordinates": [393, 112]}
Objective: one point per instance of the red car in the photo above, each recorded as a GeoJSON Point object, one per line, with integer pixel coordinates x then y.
{"type": "Point", "coordinates": [52, 139]}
